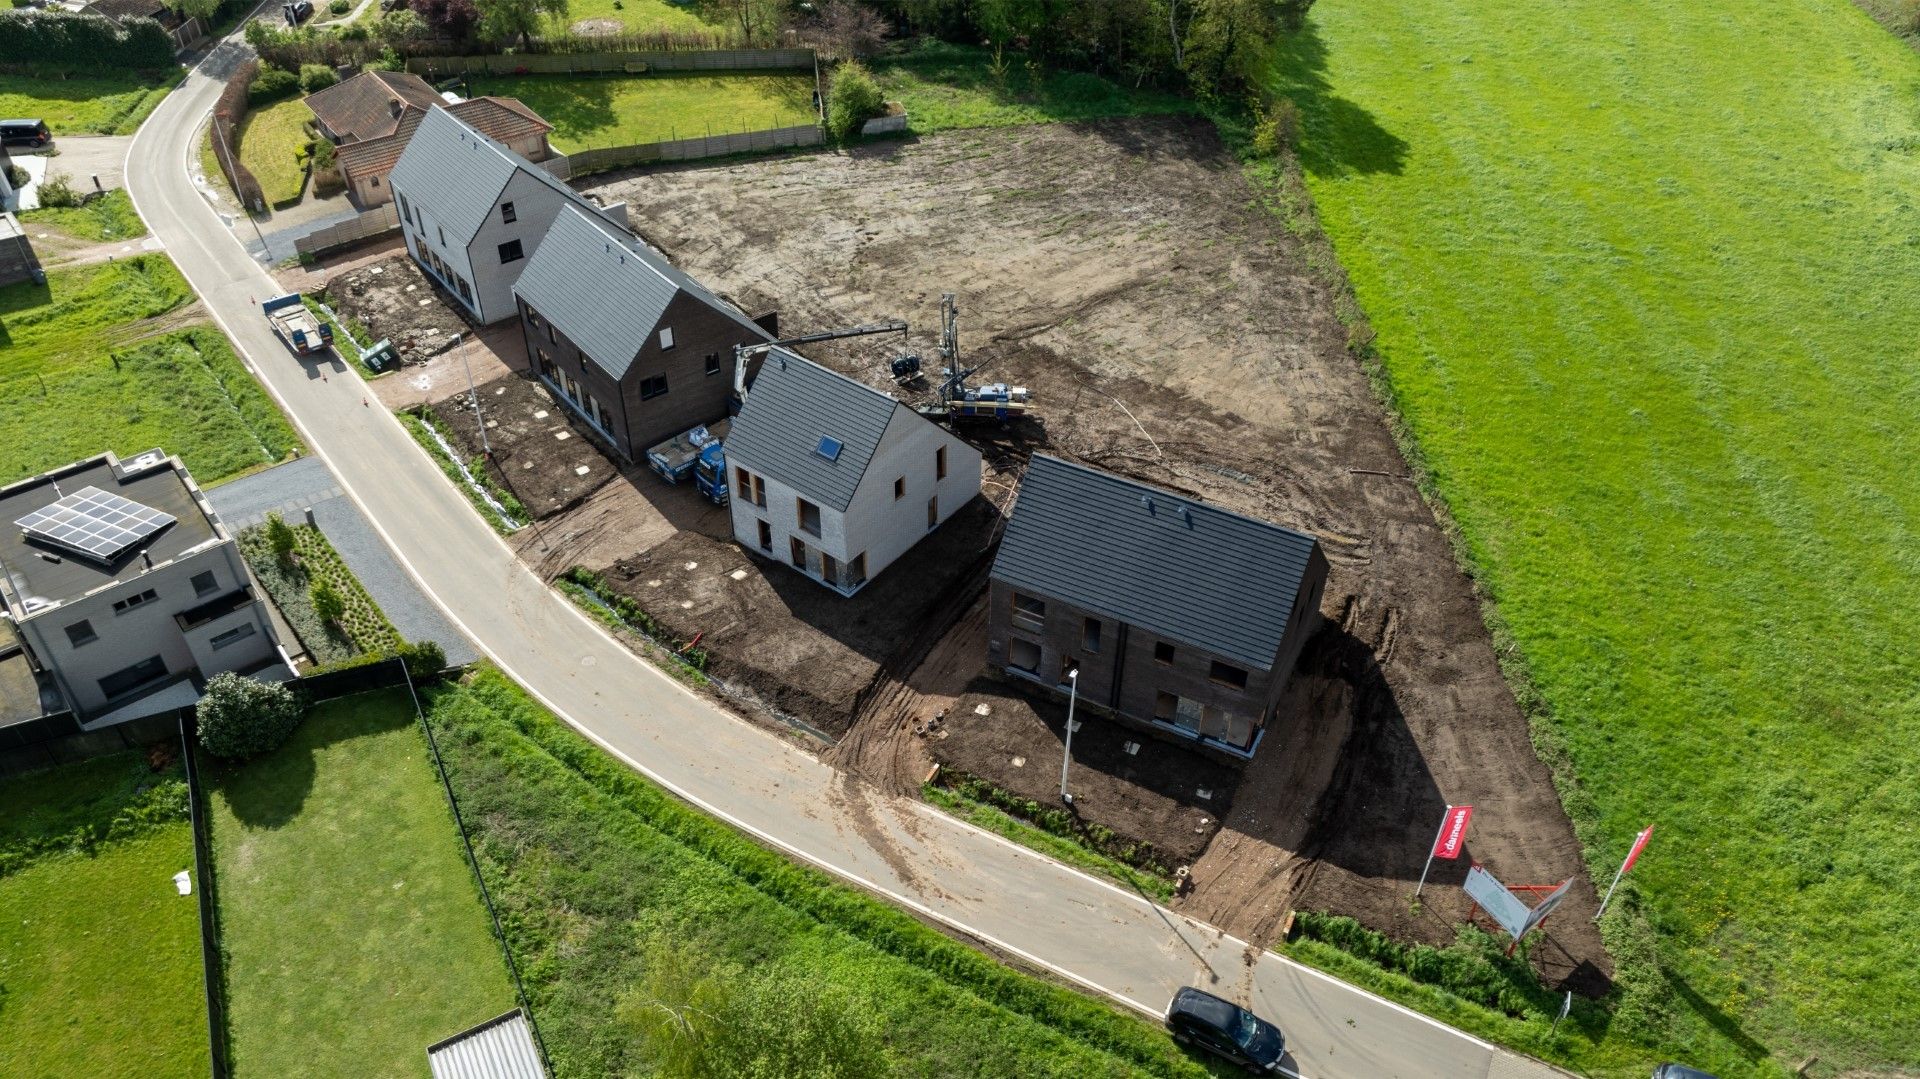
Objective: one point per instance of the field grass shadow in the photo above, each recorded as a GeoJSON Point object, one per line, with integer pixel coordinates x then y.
{"type": "Point", "coordinates": [1722, 1023]}
{"type": "Point", "coordinates": [271, 791]}
{"type": "Point", "coordinates": [1340, 138]}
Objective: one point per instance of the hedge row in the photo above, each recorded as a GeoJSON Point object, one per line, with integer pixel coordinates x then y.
{"type": "Point", "coordinates": [227, 113]}
{"type": "Point", "coordinates": [74, 39]}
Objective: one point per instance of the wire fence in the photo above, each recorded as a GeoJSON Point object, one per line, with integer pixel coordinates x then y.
{"type": "Point", "coordinates": [213, 975]}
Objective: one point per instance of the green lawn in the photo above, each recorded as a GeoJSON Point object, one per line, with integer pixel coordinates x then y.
{"type": "Point", "coordinates": [102, 102]}
{"type": "Point", "coordinates": [99, 955]}
{"type": "Point", "coordinates": [1641, 276]}
{"type": "Point", "coordinates": [185, 392]}
{"type": "Point", "coordinates": [948, 86]}
{"type": "Point", "coordinates": [353, 932]}
{"type": "Point", "coordinates": [78, 313]}
{"type": "Point", "coordinates": [109, 217]}
{"type": "Point", "coordinates": [592, 112]}
{"type": "Point", "coordinates": [273, 141]}
{"type": "Point", "coordinates": [645, 16]}
{"type": "Point", "coordinates": [621, 900]}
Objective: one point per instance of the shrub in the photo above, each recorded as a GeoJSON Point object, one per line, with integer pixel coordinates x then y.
{"type": "Point", "coordinates": [57, 191]}
{"type": "Point", "coordinates": [67, 38]}
{"type": "Point", "coordinates": [425, 659]}
{"type": "Point", "coordinates": [18, 176]}
{"type": "Point", "coordinates": [327, 602]}
{"type": "Point", "coordinates": [240, 717]}
{"type": "Point", "coordinates": [340, 7]}
{"type": "Point", "coordinates": [388, 60]}
{"type": "Point", "coordinates": [280, 537]}
{"type": "Point", "coordinates": [1277, 129]}
{"type": "Point", "coordinates": [271, 84]}
{"type": "Point", "coordinates": [315, 77]}
{"type": "Point", "coordinates": [854, 98]}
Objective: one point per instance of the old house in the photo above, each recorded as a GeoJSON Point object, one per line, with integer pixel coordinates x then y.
{"type": "Point", "coordinates": [369, 105]}
{"type": "Point", "coordinates": [366, 165]}
{"type": "Point", "coordinates": [123, 590]}
{"type": "Point", "coordinates": [631, 344]}
{"type": "Point", "coordinates": [473, 212]}
{"type": "Point", "coordinates": [1179, 616]}
{"type": "Point", "coordinates": [837, 479]}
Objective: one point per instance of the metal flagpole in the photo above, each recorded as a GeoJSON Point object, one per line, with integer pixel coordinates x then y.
{"type": "Point", "coordinates": [1565, 1007]}
{"type": "Point", "coordinates": [1617, 874]}
{"type": "Point", "coordinates": [1437, 833]}
{"type": "Point", "coordinates": [1639, 844]}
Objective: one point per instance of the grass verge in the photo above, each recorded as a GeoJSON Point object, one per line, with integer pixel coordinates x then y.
{"type": "Point", "coordinates": [1060, 848]}
{"type": "Point", "coordinates": [185, 392]}
{"type": "Point", "coordinates": [353, 932]}
{"type": "Point", "coordinates": [94, 102]}
{"type": "Point", "coordinates": [273, 142]}
{"type": "Point", "coordinates": [422, 425]}
{"type": "Point", "coordinates": [1614, 365]}
{"type": "Point", "coordinates": [110, 217]}
{"type": "Point", "coordinates": [598, 872]}
{"type": "Point", "coordinates": [99, 955]}
{"type": "Point", "coordinates": [591, 112]}
{"type": "Point", "coordinates": [81, 312]}
{"type": "Point", "coordinates": [953, 86]}
{"type": "Point", "coordinates": [362, 629]}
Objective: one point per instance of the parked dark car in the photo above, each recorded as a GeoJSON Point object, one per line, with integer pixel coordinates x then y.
{"type": "Point", "coordinates": [1679, 1071]}
{"type": "Point", "coordinates": [25, 132]}
{"type": "Point", "coordinates": [1227, 1030]}
{"type": "Point", "coordinates": [297, 11]}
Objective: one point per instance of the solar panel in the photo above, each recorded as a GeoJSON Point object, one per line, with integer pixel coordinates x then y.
{"type": "Point", "coordinates": [829, 448]}
{"type": "Point", "coordinates": [95, 523]}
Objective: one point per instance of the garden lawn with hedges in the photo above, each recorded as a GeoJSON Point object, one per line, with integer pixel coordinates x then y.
{"type": "Point", "coordinates": [591, 112]}
{"type": "Point", "coordinates": [109, 217]}
{"type": "Point", "coordinates": [99, 954]}
{"type": "Point", "coordinates": [273, 141]}
{"type": "Point", "coordinates": [92, 102]}
{"type": "Point", "coordinates": [1641, 280]}
{"type": "Point", "coordinates": [362, 629]}
{"type": "Point", "coordinates": [953, 86]}
{"type": "Point", "coordinates": [353, 932]}
{"type": "Point", "coordinates": [619, 899]}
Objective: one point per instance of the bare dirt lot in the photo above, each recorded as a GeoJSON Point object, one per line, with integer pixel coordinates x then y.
{"type": "Point", "coordinates": [1170, 330]}
{"type": "Point", "coordinates": [396, 301]}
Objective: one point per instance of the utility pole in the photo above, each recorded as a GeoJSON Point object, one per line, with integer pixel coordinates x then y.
{"type": "Point", "coordinates": [1066, 757]}
{"type": "Point", "coordinates": [474, 394]}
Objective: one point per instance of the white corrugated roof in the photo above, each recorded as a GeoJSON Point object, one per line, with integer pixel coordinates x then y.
{"type": "Point", "coordinates": [500, 1048]}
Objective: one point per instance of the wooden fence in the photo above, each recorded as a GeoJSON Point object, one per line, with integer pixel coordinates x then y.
{"type": "Point", "coordinates": [613, 62]}
{"type": "Point", "coordinates": [587, 162]}
{"type": "Point", "coordinates": [375, 222]}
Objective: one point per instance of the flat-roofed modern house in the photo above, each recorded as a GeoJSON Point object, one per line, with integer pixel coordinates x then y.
{"type": "Point", "coordinates": [1180, 616]}
{"type": "Point", "coordinates": [627, 341]}
{"type": "Point", "coordinates": [124, 590]}
{"type": "Point", "coordinates": [366, 165]}
{"type": "Point", "coordinates": [473, 212]}
{"type": "Point", "coordinates": [837, 479]}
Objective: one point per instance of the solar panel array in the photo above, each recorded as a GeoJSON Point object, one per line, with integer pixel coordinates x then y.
{"type": "Point", "coordinates": [94, 523]}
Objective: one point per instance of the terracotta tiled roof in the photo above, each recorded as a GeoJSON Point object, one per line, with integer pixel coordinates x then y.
{"type": "Point", "coordinates": [369, 105]}
{"type": "Point", "coordinates": [503, 119]}
{"type": "Point", "coordinates": [122, 9]}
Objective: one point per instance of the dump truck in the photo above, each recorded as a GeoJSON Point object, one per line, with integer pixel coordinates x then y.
{"type": "Point", "coordinates": [297, 326]}
{"type": "Point", "coordinates": [675, 457]}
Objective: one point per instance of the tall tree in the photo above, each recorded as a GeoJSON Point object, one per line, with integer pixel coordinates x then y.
{"type": "Point", "coordinates": [758, 20]}
{"type": "Point", "coordinates": [501, 20]}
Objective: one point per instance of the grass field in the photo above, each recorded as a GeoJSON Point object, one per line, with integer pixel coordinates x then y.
{"type": "Point", "coordinates": [272, 140]}
{"type": "Point", "coordinates": [87, 103]}
{"type": "Point", "coordinates": [1640, 276]}
{"type": "Point", "coordinates": [109, 217]}
{"type": "Point", "coordinates": [643, 16]}
{"type": "Point", "coordinates": [591, 112]}
{"type": "Point", "coordinates": [618, 897]}
{"type": "Point", "coordinates": [949, 86]}
{"type": "Point", "coordinates": [80, 313]}
{"type": "Point", "coordinates": [353, 932]}
{"type": "Point", "coordinates": [99, 955]}
{"type": "Point", "coordinates": [185, 392]}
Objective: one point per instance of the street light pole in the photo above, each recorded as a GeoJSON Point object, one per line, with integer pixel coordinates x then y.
{"type": "Point", "coordinates": [1066, 757]}
{"type": "Point", "coordinates": [474, 394]}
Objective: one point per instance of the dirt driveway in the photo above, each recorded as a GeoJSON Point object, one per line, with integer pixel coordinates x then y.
{"type": "Point", "coordinates": [1170, 330]}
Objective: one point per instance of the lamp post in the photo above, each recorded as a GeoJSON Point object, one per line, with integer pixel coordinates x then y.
{"type": "Point", "coordinates": [1066, 757]}
{"type": "Point", "coordinates": [474, 395]}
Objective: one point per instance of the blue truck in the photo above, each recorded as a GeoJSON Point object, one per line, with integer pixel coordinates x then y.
{"type": "Point", "coordinates": [674, 459]}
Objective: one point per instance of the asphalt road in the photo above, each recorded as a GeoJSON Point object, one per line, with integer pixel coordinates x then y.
{"type": "Point", "coordinates": [1106, 939]}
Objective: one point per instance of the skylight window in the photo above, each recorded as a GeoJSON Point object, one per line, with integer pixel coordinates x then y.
{"type": "Point", "coordinates": [829, 448]}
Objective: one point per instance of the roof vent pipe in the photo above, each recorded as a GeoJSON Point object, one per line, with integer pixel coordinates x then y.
{"type": "Point", "coordinates": [145, 560]}
{"type": "Point", "coordinates": [1147, 501]}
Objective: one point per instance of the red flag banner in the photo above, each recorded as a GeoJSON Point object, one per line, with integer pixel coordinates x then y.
{"type": "Point", "coordinates": [1639, 844]}
{"type": "Point", "coordinates": [1453, 832]}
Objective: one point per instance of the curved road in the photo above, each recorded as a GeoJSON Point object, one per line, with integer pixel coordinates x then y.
{"type": "Point", "coordinates": [1104, 938]}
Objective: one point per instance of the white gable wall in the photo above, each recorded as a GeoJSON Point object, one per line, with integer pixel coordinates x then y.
{"type": "Point", "coordinates": [534, 205]}
{"type": "Point", "coordinates": [885, 527]}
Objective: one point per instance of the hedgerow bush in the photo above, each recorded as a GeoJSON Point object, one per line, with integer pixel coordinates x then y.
{"type": "Point", "coordinates": [74, 39]}
{"type": "Point", "coordinates": [240, 717]}
{"type": "Point", "coordinates": [270, 84]}
{"type": "Point", "coordinates": [316, 77]}
{"type": "Point", "coordinates": [853, 99]}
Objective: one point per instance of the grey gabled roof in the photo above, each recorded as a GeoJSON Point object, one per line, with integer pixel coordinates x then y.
{"type": "Point", "coordinates": [791, 406]}
{"type": "Point", "coordinates": [606, 290]}
{"type": "Point", "coordinates": [457, 174]}
{"type": "Point", "coordinates": [1192, 573]}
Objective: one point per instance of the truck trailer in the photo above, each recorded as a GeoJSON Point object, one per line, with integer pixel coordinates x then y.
{"type": "Point", "coordinates": [297, 326]}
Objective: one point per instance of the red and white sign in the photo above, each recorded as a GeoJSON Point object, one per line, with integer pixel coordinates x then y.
{"type": "Point", "coordinates": [1453, 832]}
{"type": "Point", "coordinates": [1639, 844]}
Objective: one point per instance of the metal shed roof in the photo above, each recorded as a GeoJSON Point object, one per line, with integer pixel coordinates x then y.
{"type": "Point", "coordinates": [500, 1048]}
{"type": "Point", "coordinates": [792, 406]}
{"type": "Point", "coordinates": [606, 290]}
{"type": "Point", "coordinates": [1187, 571]}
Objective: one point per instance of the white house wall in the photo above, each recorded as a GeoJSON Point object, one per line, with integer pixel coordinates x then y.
{"type": "Point", "coordinates": [885, 527]}
{"type": "Point", "coordinates": [534, 205]}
